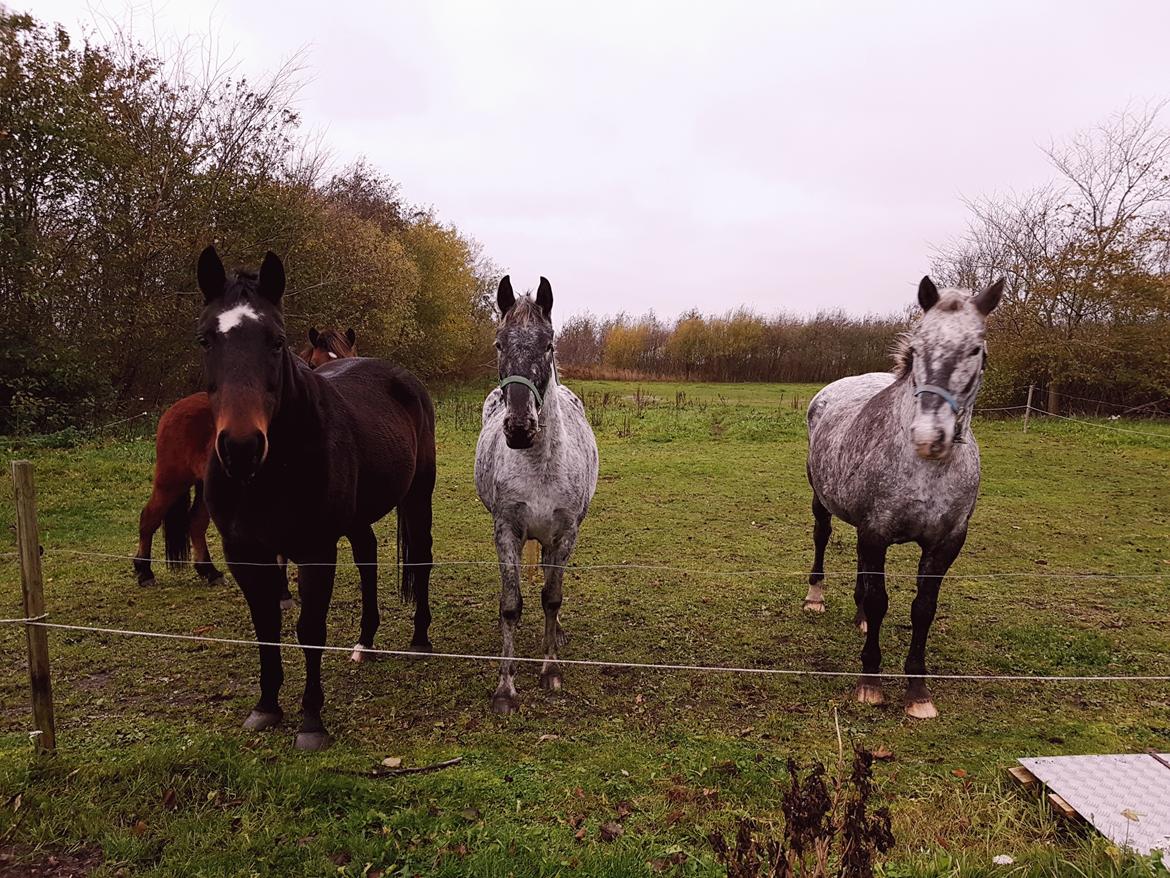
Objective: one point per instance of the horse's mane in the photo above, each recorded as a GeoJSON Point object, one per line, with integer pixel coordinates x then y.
{"type": "Point", "coordinates": [903, 355]}
{"type": "Point", "coordinates": [525, 311]}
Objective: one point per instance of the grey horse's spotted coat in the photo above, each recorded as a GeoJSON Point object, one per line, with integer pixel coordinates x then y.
{"type": "Point", "coordinates": [536, 472]}
{"type": "Point", "coordinates": [889, 455]}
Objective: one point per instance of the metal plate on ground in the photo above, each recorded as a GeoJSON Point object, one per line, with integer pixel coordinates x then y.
{"type": "Point", "coordinates": [1126, 797]}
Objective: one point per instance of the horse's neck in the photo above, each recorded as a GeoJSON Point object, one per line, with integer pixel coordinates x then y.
{"type": "Point", "coordinates": [299, 399]}
{"type": "Point", "coordinates": [550, 410]}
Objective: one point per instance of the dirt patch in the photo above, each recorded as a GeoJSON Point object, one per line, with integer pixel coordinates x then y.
{"type": "Point", "coordinates": [18, 862]}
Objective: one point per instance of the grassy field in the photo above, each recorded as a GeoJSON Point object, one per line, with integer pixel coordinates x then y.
{"type": "Point", "coordinates": [155, 775]}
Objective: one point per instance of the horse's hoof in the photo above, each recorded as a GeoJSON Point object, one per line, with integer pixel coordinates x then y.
{"type": "Point", "coordinates": [259, 720]}
{"type": "Point", "coordinates": [217, 582]}
{"type": "Point", "coordinates": [362, 654]}
{"type": "Point", "coordinates": [550, 681]}
{"type": "Point", "coordinates": [921, 710]}
{"type": "Point", "coordinates": [814, 606]}
{"type": "Point", "coordinates": [311, 741]}
{"type": "Point", "coordinates": [869, 693]}
{"type": "Point", "coordinates": [421, 648]}
{"type": "Point", "coordinates": [863, 626]}
{"type": "Point", "coordinates": [562, 637]}
{"type": "Point", "coordinates": [505, 704]}
{"type": "Point", "coordinates": [287, 603]}
{"type": "Point", "coordinates": [147, 583]}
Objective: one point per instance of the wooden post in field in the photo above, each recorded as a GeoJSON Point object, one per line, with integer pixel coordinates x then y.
{"type": "Point", "coordinates": [1028, 406]}
{"type": "Point", "coordinates": [29, 546]}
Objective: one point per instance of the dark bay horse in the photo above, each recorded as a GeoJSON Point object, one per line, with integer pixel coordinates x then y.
{"type": "Point", "coordinates": [301, 458]}
{"type": "Point", "coordinates": [893, 455]}
{"type": "Point", "coordinates": [182, 446]}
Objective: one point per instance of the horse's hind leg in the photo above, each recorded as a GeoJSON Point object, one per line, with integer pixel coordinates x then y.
{"type": "Point", "coordinates": [871, 582]}
{"type": "Point", "coordinates": [509, 541]}
{"type": "Point", "coordinates": [553, 560]}
{"type": "Point", "coordinates": [814, 601]}
{"type": "Point", "coordinates": [162, 496]}
{"type": "Point", "coordinates": [286, 598]}
{"type": "Point", "coordinates": [365, 555]}
{"type": "Point", "coordinates": [416, 545]}
{"type": "Point", "coordinates": [932, 567]}
{"type": "Point", "coordinates": [200, 520]}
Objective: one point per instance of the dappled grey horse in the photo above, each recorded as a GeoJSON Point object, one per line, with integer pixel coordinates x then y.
{"type": "Point", "coordinates": [535, 471]}
{"type": "Point", "coordinates": [893, 455]}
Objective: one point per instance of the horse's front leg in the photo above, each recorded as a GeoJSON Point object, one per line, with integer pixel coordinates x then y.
{"type": "Point", "coordinates": [936, 560]}
{"type": "Point", "coordinates": [509, 542]}
{"type": "Point", "coordinates": [814, 601]}
{"type": "Point", "coordinates": [255, 571]}
{"type": "Point", "coordinates": [315, 585]}
{"type": "Point", "coordinates": [554, 559]}
{"type": "Point", "coordinates": [871, 585]}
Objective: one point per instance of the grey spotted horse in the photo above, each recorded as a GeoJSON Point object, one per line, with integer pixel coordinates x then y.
{"type": "Point", "coordinates": [893, 455]}
{"type": "Point", "coordinates": [535, 471]}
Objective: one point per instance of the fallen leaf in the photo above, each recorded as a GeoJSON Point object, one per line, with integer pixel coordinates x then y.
{"type": "Point", "coordinates": [611, 831]}
{"type": "Point", "coordinates": [139, 828]}
{"type": "Point", "coordinates": [625, 773]}
{"type": "Point", "coordinates": [883, 753]}
{"type": "Point", "coordinates": [958, 772]}
{"type": "Point", "coordinates": [580, 834]}
{"type": "Point", "coordinates": [545, 738]}
{"type": "Point", "coordinates": [470, 814]}
{"type": "Point", "coordinates": [639, 698]}
{"type": "Point", "coordinates": [392, 761]}
{"type": "Point", "coordinates": [341, 859]}
{"type": "Point", "coordinates": [661, 864]}
{"type": "Point", "coordinates": [576, 820]}
{"type": "Point", "coordinates": [1002, 860]}
{"type": "Point", "coordinates": [674, 817]}
{"type": "Point", "coordinates": [624, 810]}
{"type": "Point", "coordinates": [1130, 814]}
{"type": "Point", "coordinates": [203, 629]}
{"type": "Point", "coordinates": [170, 800]}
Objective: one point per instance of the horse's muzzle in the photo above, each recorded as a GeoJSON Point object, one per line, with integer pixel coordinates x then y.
{"type": "Point", "coordinates": [520, 432]}
{"type": "Point", "coordinates": [939, 449]}
{"type": "Point", "coordinates": [243, 456]}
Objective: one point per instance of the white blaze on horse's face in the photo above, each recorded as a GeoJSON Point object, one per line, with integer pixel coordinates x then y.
{"type": "Point", "coordinates": [948, 356]}
{"type": "Point", "coordinates": [233, 317]}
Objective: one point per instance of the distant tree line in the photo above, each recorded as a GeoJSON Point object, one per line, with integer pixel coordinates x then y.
{"type": "Point", "coordinates": [738, 346]}
{"type": "Point", "coordinates": [118, 166]}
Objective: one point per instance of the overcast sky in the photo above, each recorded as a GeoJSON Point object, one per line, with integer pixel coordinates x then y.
{"type": "Point", "coordinates": [667, 156]}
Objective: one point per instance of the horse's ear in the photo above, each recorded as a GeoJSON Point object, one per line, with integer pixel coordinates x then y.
{"type": "Point", "coordinates": [272, 278]}
{"type": "Point", "coordinates": [351, 337]}
{"type": "Point", "coordinates": [989, 298]}
{"type": "Point", "coordinates": [544, 297]}
{"type": "Point", "coordinates": [927, 293]}
{"type": "Point", "coordinates": [212, 278]}
{"type": "Point", "coordinates": [505, 298]}
{"type": "Point", "coordinates": [313, 335]}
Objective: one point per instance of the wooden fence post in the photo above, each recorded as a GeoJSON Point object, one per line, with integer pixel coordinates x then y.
{"type": "Point", "coordinates": [1028, 406]}
{"type": "Point", "coordinates": [29, 546]}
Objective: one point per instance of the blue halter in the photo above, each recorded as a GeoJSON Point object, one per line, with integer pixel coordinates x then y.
{"type": "Point", "coordinates": [947, 396]}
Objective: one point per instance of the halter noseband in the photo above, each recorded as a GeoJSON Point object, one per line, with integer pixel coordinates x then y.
{"type": "Point", "coordinates": [947, 396]}
{"type": "Point", "coordinates": [520, 379]}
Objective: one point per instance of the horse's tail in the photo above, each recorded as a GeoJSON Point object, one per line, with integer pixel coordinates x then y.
{"type": "Point", "coordinates": [177, 527]}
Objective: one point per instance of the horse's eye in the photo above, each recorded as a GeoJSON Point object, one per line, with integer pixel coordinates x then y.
{"type": "Point", "coordinates": [548, 350]}
{"type": "Point", "coordinates": [278, 345]}
{"type": "Point", "coordinates": [204, 341]}
{"type": "Point", "coordinates": [498, 346]}
{"type": "Point", "coordinates": [975, 351]}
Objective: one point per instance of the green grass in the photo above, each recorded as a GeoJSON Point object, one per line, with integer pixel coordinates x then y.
{"type": "Point", "coordinates": [155, 771]}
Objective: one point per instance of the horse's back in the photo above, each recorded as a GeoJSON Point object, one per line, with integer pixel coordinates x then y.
{"type": "Point", "coordinates": [389, 423]}
{"type": "Point", "coordinates": [184, 438]}
{"type": "Point", "coordinates": [845, 397]}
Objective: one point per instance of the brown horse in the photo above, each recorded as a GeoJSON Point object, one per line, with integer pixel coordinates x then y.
{"type": "Point", "coordinates": [181, 448]}
{"type": "Point", "coordinates": [301, 458]}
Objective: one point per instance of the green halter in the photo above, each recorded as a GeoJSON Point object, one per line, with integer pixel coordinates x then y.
{"type": "Point", "coordinates": [520, 379]}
